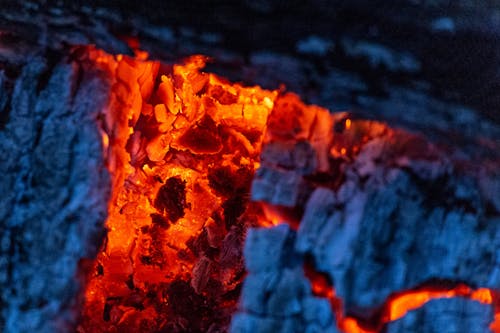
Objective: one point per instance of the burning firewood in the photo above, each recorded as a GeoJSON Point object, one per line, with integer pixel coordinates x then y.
{"type": "Point", "coordinates": [199, 205]}
{"type": "Point", "coordinates": [390, 200]}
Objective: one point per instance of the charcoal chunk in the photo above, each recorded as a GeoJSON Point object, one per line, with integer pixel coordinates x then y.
{"type": "Point", "coordinates": [187, 306]}
{"type": "Point", "coordinates": [233, 208]}
{"type": "Point", "coordinates": [227, 182]}
{"type": "Point", "coordinates": [160, 221]}
{"type": "Point", "coordinates": [221, 180]}
{"type": "Point", "coordinates": [223, 96]}
{"type": "Point", "coordinates": [171, 199]}
{"type": "Point", "coordinates": [203, 137]}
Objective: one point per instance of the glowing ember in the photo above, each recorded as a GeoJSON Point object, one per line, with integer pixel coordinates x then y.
{"type": "Point", "coordinates": [182, 147]}
{"type": "Point", "coordinates": [398, 305]}
{"type": "Point", "coordinates": [412, 300]}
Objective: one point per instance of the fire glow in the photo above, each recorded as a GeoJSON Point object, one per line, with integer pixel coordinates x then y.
{"type": "Point", "coordinates": [398, 305]}
{"type": "Point", "coordinates": [182, 147]}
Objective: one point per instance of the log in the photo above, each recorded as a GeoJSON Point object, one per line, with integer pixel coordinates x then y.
{"type": "Point", "coordinates": [55, 189]}
{"type": "Point", "coordinates": [277, 296]}
{"type": "Point", "coordinates": [393, 226]}
{"type": "Point", "coordinates": [55, 183]}
{"type": "Point", "coordinates": [444, 207]}
{"type": "Point", "coordinates": [403, 214]}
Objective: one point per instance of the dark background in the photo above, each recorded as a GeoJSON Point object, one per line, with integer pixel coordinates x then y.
{"type": "Point", "coordinates": [456, 42]}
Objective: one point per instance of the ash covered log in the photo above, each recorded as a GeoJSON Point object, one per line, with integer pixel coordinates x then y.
{"type": "Point", "coordinates": [54, 186]}
{"type": "Point", "coordinates": [279, 296]}
{"type": "Point", "coordinates": [390, 213]}
{"type": "Point", "coordinates": [397, 221]}
{"type": "Point", "coordinates": [390, 200]}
